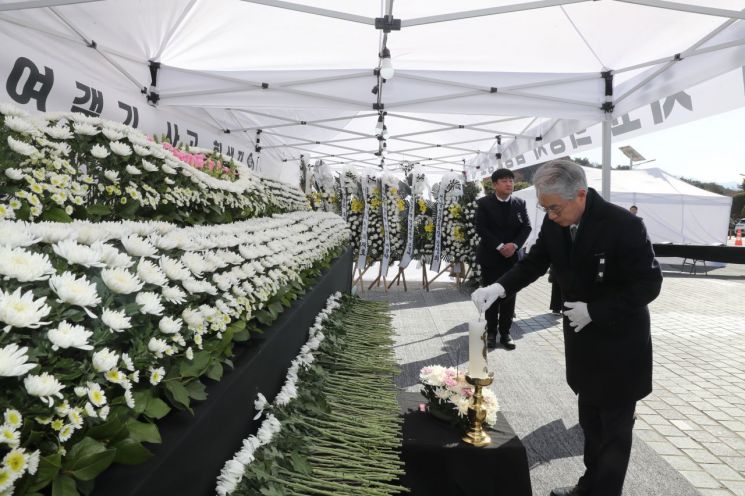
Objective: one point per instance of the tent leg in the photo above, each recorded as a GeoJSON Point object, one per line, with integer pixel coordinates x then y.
{"type": "Point", "coordinates": [606, 159]}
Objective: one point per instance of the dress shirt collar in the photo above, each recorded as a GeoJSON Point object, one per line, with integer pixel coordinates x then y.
{"type": "Point", "coordinates": [503, 201]}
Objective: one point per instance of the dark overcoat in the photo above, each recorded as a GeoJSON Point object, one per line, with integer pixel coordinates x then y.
{"type": "Point", "coordinates": [494, 230]}
{"type": "Point", "coordinates": [611, 266]}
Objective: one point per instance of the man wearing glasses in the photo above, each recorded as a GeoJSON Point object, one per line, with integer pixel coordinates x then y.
{"type": "Point", "coordinates": [603, 261]}
{"type": "Point", "coordinates": [503, 225]}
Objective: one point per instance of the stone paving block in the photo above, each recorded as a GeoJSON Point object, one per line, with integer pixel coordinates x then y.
{"type": "Point", "coordinates": [736, 462]}
{"type": "Point", "coordinates": [721, 472]}
{"type": "Point", "coordinates": [683, 442]}
{"type": "Point", "coordinates": [718, 448]}
{"type": "Point", "coordinates": [700, 455]}
{"type": "Point", "coordinates": [715, 492]}
{"type": "Point", "coordinates": [700, 479]}
{"type": "Point", "coordinates": [681, 462]}
{"type": "Point", "coordinates": [737, 487]}
{"type": "Point", "coordinates": [683, 425]}
{"type": "Point", "coordinates": [668, 430]}
{"type": "Point", "coordinates": [665, 448]}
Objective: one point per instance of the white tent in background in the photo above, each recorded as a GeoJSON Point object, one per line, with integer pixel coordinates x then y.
{"type": "Point", "coordinates": [295, 78]}
{"type": "Point", "coordinates": [673, 210]}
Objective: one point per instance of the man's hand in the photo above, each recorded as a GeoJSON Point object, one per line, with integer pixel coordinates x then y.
{"type": "Point", "coordinates": [483, 298]}
{"type": "Point", "coordinates": [508, 249]}
{"type": "Point", "coordinates": [577, 314]}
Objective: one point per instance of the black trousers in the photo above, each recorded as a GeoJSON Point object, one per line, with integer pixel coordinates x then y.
{"type": "Point", "coordinates": [556, 304]}
{"type": "Point", "coordinates": [607, 446]}
{"type": "Point", "coordinates": [499, 315]}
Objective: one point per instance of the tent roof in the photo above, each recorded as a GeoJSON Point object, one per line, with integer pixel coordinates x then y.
{"type": "Point", "coordinates": [465, 72]}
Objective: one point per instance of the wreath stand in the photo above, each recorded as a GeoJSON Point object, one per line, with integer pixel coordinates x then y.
{"type": "Point", "coordinates": [361, 271]}
{"type": "Point", "coordinates": [399, 278]}
{"type": "Point", "coordinates": [377, 279]}
{"type": "Point", "coordinates": [458, 268]}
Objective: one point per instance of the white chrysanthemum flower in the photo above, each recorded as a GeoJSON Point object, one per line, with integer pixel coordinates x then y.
{"type": "Point", "coordinates": [195, 262]}
{"type": "Point", "coordinates": [13, 418]}
{"type": "Point", "coordinates": [121, 281]}
{"type": "Point", "coordinates": [111, 175]}
{"type": "Point", "coordinates": [189, 353]}
{"type": "Point", "coordinates": [138, 247]}
{"type": "Point", "coordinates": [96, 394]}
{"type": "Point", "coordinates": [100, 151]}
{"type": "Point", "coordinates": [15, 462]}
{"type": "Point", "coordinates": [141, 150]}
{"type": "Point", "coordinates": [21, 310]}
{"type": "Point", "coordinates": [156, 375]}
{"type": "Point", "coordinates": [174, 294]}
{"type": "Point", "coordinates": [10, 436]}
{"type": "Point", "coordinates": [129, 398]}
{"type": "Point", "coordinates": [157, 346]}
{"type": "Point", "coordinates": [78, 254]}
{"type": "Point", "coordinates": [168, 325]}
{"type": "Point", "coordinates": [117, 377]}
{"type": "Point", "coordinates": [45, 386]}
{"type": "Point", "coordinates": [149, 303]}
{"type": "Point", "coordinates": [21, 125]}
{"type": "Point", "coordinates": [66, 432]}
{"type": "Point", "coordinates": [69, 336]}
{"type": "Point", "coordinates": [111, 256]}
{"type": "Point", "coordinates": [149, 166]}
{"type": "Point", "coordinates": [13, 361]}
{"type": "Point", "coordinates": [33, 462]}
{"type": "Point", "coordinates": [58, 132]}
{"type": "Point", "coordinates": [174, 269]}
{"type": "Point", "coordinates": [111, 133]}
{"type": "Point", "coordinates": [167, 169]}
{"type": "Point", "coordinates": [150, 273]}
{"type": "Point", "coordinates": [193, 318]}
{"type": "Point", "coordinates": [86, 130]}
{"type": "Point", "coordinates": [24, 266]}
{"type": "Point", "coordinates": [115, 320]}
{"type": "Point", "coordinates": [23, 148]}
{"type": "Point", "coordinates": [131, 169]}
{"type": "Point", "coordinates": [14, 174]}
{"type": "Point", "coordinates": [105, 360]}
{"type": "Point", "coordinates": [75, 291]}
{"type": "Point", "coordinates": [121, 149]}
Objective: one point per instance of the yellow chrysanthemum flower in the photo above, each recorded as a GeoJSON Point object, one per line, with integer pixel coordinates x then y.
{"type": "Point", "coordinates": [422, 206]}
{"type": "Point", "coordinates": [400, 205]}
{"type": "Point", "coordinates": [357, 206]}
{"type": "Point", "coordinates": [429, 227]}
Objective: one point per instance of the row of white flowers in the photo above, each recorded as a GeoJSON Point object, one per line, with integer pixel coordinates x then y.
{"type": "Point", "coordinates": [66, 162]}
{"type": "Point", "coordinates": [234, 469]}
{"type": "Point", "coordinates": [94, 314]}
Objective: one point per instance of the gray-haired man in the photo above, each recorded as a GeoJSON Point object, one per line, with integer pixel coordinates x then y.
{"type": "Point", "coordinates": [604, 264]}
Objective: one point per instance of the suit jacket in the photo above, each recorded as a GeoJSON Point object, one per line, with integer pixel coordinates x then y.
{"type": "Point", "coordinates": [494, 230]}
{"type": "Point", "coordinates": [611, 266]}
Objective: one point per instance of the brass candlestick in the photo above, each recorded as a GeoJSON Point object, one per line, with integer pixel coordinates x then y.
{"type": "Point", "coordinates": [475, 434]}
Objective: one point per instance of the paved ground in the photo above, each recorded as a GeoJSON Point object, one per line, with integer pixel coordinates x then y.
{"type": "Point", "coordinates": [695, 419]}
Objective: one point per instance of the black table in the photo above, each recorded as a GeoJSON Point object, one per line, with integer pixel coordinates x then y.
{"type": "Point", "coordinates": [439, 463]}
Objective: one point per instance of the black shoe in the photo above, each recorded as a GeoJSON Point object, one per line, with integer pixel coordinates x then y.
{"type": "Point", "coordinates": [507, 342]}
{"type": "Point", "coordinates": [491, 341]}
{"type": "Point", "coordinates": [569, 491]}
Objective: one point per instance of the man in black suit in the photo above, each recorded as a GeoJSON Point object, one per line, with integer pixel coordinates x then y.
{"type": "Point", "coordinates": [603, 261]}
{"type": "Point", "coordinates": [503, 225]}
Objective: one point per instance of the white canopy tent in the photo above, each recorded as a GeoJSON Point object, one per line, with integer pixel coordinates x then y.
{"type": "Point", "coordinates": [673, 210]}
{"type": "Point", "coordinates": [291, 79]}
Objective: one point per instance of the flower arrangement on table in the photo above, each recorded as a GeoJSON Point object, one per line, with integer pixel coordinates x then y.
{"type": "Point", "coordinates": [61, 166]}
{"type": "Point", "coordinates": [449, 395]}
{"type": "Point", "coordinates": [107, 326]}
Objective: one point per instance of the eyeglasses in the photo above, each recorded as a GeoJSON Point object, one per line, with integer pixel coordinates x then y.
{"type": "Point", "coordinates": [552, 209]}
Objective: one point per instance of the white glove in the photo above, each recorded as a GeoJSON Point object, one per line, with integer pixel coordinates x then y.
{"type": "Point", "coordinates": [483, 298]}
{"type": "Point", "coordinates": [577, 314]}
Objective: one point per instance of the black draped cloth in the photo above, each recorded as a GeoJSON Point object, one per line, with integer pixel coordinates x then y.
{"type": "Point", "coordinates": [438, 463]}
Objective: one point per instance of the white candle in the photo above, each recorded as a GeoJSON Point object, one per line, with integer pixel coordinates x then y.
{"type": "Point", "coordinates": [477, 349]}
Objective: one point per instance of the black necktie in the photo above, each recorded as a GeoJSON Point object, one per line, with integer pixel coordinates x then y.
{"type": "Point", "coordinates": [573, 232]}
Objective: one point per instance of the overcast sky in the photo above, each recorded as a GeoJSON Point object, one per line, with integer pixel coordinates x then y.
{"type": "Point", "coordinates": [710, 149]}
